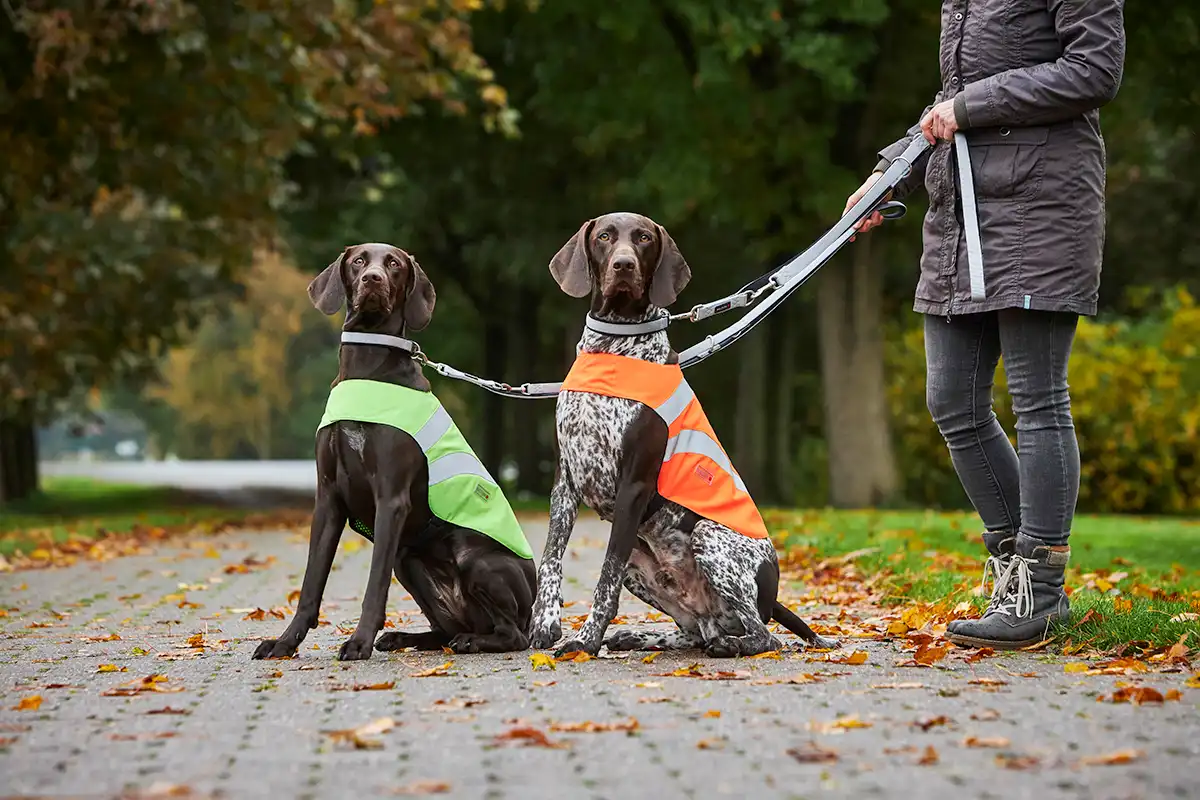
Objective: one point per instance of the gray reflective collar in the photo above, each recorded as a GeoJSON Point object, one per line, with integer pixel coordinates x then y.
{"type": "Point", "coordinates": [654, 325]}
{"type": "Point", "coordinates": [382, 339]}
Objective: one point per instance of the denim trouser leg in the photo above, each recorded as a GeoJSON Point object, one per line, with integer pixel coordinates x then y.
{"type": "Point", "coordinates": [1034, 494]}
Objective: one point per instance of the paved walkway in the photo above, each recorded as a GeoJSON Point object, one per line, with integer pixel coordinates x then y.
{"type": "Point", "coordinates": [222, 725]}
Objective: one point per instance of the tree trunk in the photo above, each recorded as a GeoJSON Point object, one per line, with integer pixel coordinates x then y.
{"type": "Point", "coordinates": [495, 362]}
{"type": "Point", "coordinates": [18, 460]}
{"type": "Point", "coordinates": [783, 456]}
{"type": "Point", "coordinates": [528, 416]}
{"type": "Point", "coordinates": [862, 468]}
{"type": "Point", "coordinates": [750, 452]}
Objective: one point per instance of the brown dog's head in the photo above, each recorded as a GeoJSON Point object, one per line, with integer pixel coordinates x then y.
{"type": "Point", "coordinates": [626, 261]}
{"type": "Point", "coordinates": [384, 287]}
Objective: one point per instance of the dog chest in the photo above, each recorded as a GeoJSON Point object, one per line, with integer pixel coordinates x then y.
{"type": "Point", "coordinates": [591, 429]}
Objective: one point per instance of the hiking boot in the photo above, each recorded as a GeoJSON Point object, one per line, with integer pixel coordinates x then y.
{"type": "Point", "coordinates": [1001, 546]}
{"type": "Point", "coordinates": [1028, 598]}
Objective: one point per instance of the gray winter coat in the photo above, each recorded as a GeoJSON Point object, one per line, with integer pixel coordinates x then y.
{"type": "Point", "coordinates": [1027, 78]}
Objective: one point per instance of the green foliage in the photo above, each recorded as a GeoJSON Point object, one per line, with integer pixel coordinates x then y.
{"type": "Point", "coordinates": [1133, 387]}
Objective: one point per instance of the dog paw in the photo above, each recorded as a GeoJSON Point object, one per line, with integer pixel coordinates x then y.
{"type": "Point", "coordinates": [722, 647]}
{"type": "Point", "coordinates": [544, 638]}
{"type": "Point", "coordinates": [465, 643]}
{"type": "Point", "coordinates": [392, 640]}
{"type": "Point", "coordinates": [627, 640]}
{"type": "Point", "coordinates": [574, 646]}
{"type": "Point", "coordinates": [821, 643]}
{"type": "Point", "coordinates": [355, 650]}
{"type": "Point", "coordinates": [274, 648]}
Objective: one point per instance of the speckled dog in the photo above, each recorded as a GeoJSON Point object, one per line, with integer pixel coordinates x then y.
{"type": "Point", "coordinates": [718, 585]}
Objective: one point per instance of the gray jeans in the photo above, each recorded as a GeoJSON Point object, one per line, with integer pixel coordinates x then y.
{"type": "Point", "coordinates": [1033, 492]}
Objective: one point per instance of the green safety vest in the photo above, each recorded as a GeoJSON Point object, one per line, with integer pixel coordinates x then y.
{"type": "Point", "coordinates": [461, 491]}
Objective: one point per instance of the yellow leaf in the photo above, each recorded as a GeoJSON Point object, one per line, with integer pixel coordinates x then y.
{"type": "Point", "coordinates": [650, 658]}
{"type": "Point", "coordinates": [541, 660]}
{"type": "Point", "coordinates": [111, 668]}
{"type": "Point", "coordinates": [1173, 694]}
{"type": "Point", "coordinates": [774, 654]}
{"type": "Point", "coordinates": [578, 656]}
{"type": "Point", "coordinates": [1119, 757]}
{"type": "Point", "coordinates": [897, 628]}
{"type": "Point", "coordinates": [986, 741]}
{"type": "Point", "coordinates": [1076, 667]}
{"type": "Point", "coordinates": [434, 672]}
{"type": "Point", "coordinates": [1193, 682]}
{"type": "Point", "coordinates": [211, 553]}
{"type": "Point", "coordinates": [712, 712]}
{"type": "Point", "coordinates": [31, 703]}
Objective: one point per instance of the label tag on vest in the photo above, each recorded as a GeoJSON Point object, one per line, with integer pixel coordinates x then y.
{"type": "Point", "coordinates": [704, 474]}
{"type": "Point", "coordinates": [482, 491]}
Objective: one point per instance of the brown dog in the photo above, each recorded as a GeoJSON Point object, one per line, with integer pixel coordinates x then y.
{"type": "Point", "coordinates": [475, 592]}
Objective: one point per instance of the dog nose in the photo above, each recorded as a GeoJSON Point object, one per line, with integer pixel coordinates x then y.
{"type": "Point", "coordinates": [372, 278]}
{"type": "Point", "coordinates": [620, 263]}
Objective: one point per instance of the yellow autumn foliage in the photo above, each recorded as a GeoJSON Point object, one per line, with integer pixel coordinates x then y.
{"type": "Point", "coordinates": [1135, 392]}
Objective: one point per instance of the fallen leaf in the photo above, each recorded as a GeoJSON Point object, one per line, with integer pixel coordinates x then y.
{"type": "Point", "coordinates": [150, 683]}
{"type": "Point", "coordinates": [1122, 605]}
{"type": "Point", "coordinates": [5, 741]}
{"type": "Point", "coordinates": [363, 687]}
{"type": "Point", "coordinates": [840, 724]}
{"type": "Point", "coordinates": [577, 656]}
{"type": "Point", "coordinates": [649, 685]}
{"type": "Point", "coordinates": [595, 727]}
{"type": "Point", "coordinates": [711, 744]}
{"type": "Point", "coordinates": [712, 712]}
{"type": "Point", "coordinates": [134, 737]}
{"type": "Point", "coordinates": [196, 640]}
{"type": "Point", "coordinates": [985, 741]}
{"type": "Point", "coordinates": [1173, 694]}
{"type": "Point", "coordinates": [434, 672]}
{"type": "Point", "coordinates": [1119, 757]}
{"type": "Point", "coordinates": [1134, 694]}
{"type": "Point", "coordinates": [360, 737]}
{"type": "Point", "coordinates": [979, 655]}
{"type": "Point", "coordinates": [987, 682]}
{"type": "Point", "coordinates": [168, 710]}
{"type": "Point", "coordinates": [928, 758]}
{"type": "Point", "coordinates": [1193, 682]}
{"type": "Point", "coordinates": [293, 596]}
{"type": "Point", "coordinates": [257, 615]}
{"type": "Point", "coordinates": [31, 703]}
{"type": "Point", "coordinates": [1017, 762]}
{"type": "Point", "coordinates": [112, 637]}
{"type": "Point", "coordinates": [529, 737]}
{"type": "Point", "coordinates": [111, 668]}
{"type": "Point", "coordinates": [140, 651]}
{"type": "Point", "coordinates": [656, 699]}
{"type": "Point", "coordinates": [1076, 667]}
{"type": "Point", "coordinates": [854, 659]}
{"type": "Point", "coordinates": [423, 787]}
{"type": "Point", "coordinates": [932, 722]}
{"type": "Point", "coordinates": [650, 658]}
{"type": "Point", "coordinates": [813, 753]}
{"type": "Point", "coordinates": [541, 660]}
{"type": "Point", "coordinates": [1186, 616]}
{"type": "Point", "coordinates": [544, 683]}
{"type": "Point", "coordinates": [465, 702]}
{"type": "Point", "coordinates": [986, 715]}
{"type": "Point", "coordinates": [928, 654]}
{"type": "Point", "coordinates": [773, 654]}
{"type": "Point", "coordinates": [897, 686]}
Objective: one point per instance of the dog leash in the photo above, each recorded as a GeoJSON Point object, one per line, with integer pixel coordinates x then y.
{"type": "Point", "coordinates": [776, 286]}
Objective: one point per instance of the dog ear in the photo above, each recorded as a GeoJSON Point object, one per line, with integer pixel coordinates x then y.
{"type": "Point", "coordinates": [327, 292]}
{"type": "Point", "coordinates": [671, 274]}
{"type": "Point", "coordinates": [570, 264]}
{"type": "Point", "coordinates": [418, 306]}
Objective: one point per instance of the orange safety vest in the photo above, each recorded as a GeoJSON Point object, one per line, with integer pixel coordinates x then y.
{"type": "Point", "coordinates": [696, 472]}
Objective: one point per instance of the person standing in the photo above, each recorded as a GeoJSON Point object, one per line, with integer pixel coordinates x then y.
{"type": "Point", "coordinates": [1022, 81]}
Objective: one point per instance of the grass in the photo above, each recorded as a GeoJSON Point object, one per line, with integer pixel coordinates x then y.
{"type": "Point", "coordinates": [81, 507]}
{"type": "Point", "coordinates": [1129, 575]}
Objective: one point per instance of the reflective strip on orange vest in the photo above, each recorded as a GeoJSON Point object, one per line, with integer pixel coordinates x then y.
{"type": "Point", "coordinates": [696, 472]}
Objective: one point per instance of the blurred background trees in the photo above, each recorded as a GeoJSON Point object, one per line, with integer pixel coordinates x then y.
{"type": "Point", "coordinates": [158, 232]}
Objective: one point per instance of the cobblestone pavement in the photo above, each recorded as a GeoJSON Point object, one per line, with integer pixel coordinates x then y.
{"type": "Point", "coordinates": [222, 725]}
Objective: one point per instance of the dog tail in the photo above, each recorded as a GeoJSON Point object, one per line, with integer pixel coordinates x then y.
{"type": "Point", "coordinates": [785, 617]}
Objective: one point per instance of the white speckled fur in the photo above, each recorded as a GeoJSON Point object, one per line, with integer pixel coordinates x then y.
{"type": "Point", "coordinates": [704, 580]}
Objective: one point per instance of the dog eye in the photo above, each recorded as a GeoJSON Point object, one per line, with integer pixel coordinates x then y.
{"type": "Point", "coordinates": [645, 237]}
{"type": "Point", "coordinates": [603, 236]}
{"type": "Point", "coordinates": [360, 260]}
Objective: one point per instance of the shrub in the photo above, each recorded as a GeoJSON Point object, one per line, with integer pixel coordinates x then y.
{"type": "Point", "coordinates": [1134, 389]}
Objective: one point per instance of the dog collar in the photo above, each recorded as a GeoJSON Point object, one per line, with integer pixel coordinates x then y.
{"type": "Point", "coordinates": [654, 325]}
{"type": "Point", "coordinates": [381, 339]}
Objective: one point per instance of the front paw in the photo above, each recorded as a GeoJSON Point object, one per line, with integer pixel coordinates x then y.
{"type": "Point", "coordinates": [354, 649]}
{"type": "Point", "coordinates": [575, 646]}
{"type": "Point", "coordinates": [465, 643]}
{"type": "Point", "coordinates": [544, 636]}
{"type": "Point", "coordinates": [282, 647]}
{"type": "Point", "coordinates": [821, 643]}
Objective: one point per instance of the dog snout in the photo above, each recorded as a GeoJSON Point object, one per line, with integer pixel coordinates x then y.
{"type": "Point", "coordinates": [372, 278]}
{"type": "Point", "coordinates": [623, 261]}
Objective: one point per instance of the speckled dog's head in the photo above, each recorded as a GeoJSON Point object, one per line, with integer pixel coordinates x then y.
{"type": "Point", "coordinates": [627, 262]}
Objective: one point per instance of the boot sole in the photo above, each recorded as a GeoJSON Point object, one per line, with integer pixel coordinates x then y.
{"type": "Point", "coordinates": [995, 644]}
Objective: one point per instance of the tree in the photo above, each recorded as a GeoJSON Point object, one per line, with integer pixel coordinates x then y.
{"type": "Point", "coordinates": [144, 145]}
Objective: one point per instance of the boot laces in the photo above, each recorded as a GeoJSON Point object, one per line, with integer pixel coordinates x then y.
{"type": "Point", "coordinates": [1013, 595]}
{"type": "Point", "coordinates": [993, 570]}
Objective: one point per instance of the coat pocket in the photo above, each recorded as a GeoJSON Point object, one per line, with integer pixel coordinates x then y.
{"type": "Point", "coordinates": [1007, 162]}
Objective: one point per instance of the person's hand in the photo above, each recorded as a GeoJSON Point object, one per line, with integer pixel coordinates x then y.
{"type": "Point", "coordinates": [940, 123]}
{"type": "Point", "coordinates": [871, 220]}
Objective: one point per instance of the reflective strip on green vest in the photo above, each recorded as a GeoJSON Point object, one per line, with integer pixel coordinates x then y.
{"type": "Point", "coordinates": [461, 491]}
